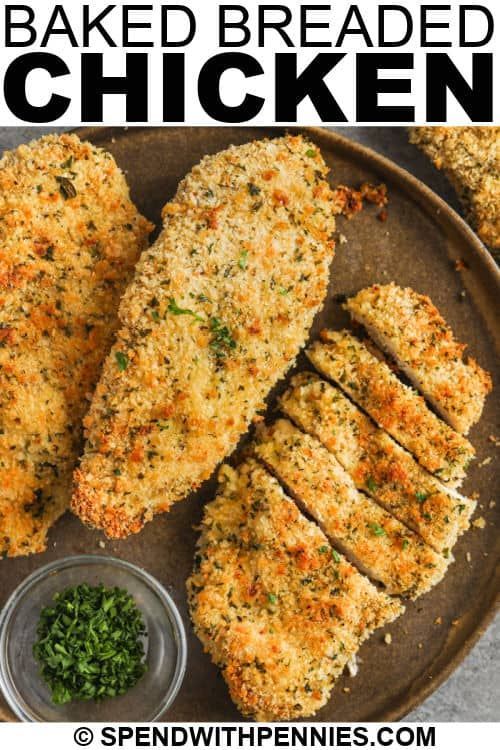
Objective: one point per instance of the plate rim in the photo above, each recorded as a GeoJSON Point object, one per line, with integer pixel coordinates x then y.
{"type": "Point", "coordinates": [427, 198]}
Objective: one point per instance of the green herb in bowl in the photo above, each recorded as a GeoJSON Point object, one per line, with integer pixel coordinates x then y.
{"type": "Point", "coordinates": [90, 644]}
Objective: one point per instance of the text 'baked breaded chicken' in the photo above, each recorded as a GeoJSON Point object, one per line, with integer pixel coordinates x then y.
{"type": "Point", "coordinates": [377, 464]}
{"type": "Point", "coordinates": [217, 312]}
{"type": "Point", "coordinates": [394, 406]}
{"type": "Point", "coordinates": [376, 542]}
{"type": "Point", "coordinates": [276, 607]}
{"type": "Point", "coordinates": [69, 237]}
{"type": "Point", "coordinates": [410, 328]}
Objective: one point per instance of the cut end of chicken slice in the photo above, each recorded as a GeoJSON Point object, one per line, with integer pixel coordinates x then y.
{"type": "Point", "coordinates": [376, 542]}
{"type": "Point", "coordinates": [408, 326]}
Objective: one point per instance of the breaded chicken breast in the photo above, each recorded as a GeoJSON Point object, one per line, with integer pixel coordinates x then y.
{"type": "Point", "coordinates": [408, 326]}
{"type": "Point", "coordinates": [394, 406]}
{"type": "Point", "coordinates": [276, 607]}
{"type": "Point", "coordinates": [69, 238]}
{"type": "Point", "coordinates": [216, 314]}
{"type": "Point", "coordinates": [377, 464]}
{"type": "Point", "coordinates": [376, 542]}
{"type": "Point", "coordinates": [470, 158]}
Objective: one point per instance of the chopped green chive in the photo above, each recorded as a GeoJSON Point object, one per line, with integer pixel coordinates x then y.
{"type": "Point", "coordinates": [421, 496]}
{"type": "Point", "coordinates": [174, 308]}
{"type": "Point", "coordinates": [323, 549]}
{"type": "Point", "coordinates": [371, 484]}
{"type": "Point", "coordinates": [377, 530]}
{"type": "Point", "coordinates": [335, 555]}
{"type": "Point", "coordinates": [222, 341]}
{"type": "Point", "coordinates": [243, 260]}
{"type": "Point", "coordinates": [405, 544]}
{"type": "Point", "coordinates": [311, 153]}
{"type": "Point", "coordinates": [272, 598]}
{"type": "Point", "coordinates": [121, 361]}
{"type": "Point", "coordinates": [89, 644]}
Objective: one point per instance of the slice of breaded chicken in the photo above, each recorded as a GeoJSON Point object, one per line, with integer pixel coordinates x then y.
{"type": "Point", "coordinates": [216, 314]}
{"type": "Point", "coordinates": [470, 158]}
{"type": "Point", "coordinates": [408, 326]}
{"type": "Point", "coordinates": [274, 605]}
{"type": "Point", "coordinates": [376, 542]}
{"type": "Point", "coordinates": [377, 464]}
{"type": "Point", "coordinates": [69, 238]}
{"type": "Point", "coordinates": [394, 406]}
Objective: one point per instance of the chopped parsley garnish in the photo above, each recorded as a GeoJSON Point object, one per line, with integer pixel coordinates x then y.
{"type": "Point", "coordinates": [174, 308]}
{"type": "Point", "coordinates": [90, 644]}
{"type": "Point", "coordinates": [405, 544]}
{"type": "Point", "coordinates": [272, 598]}
{"type": "Point", "coordinates": [377, 530]}
{"type": "Point", "coordinates": [421, 496]}
{"type": "Point", "coordinates": [311, 153]}
{"type": "Point", "coordinates": [222, 341]}
{"type": "Point", "coordinates": [243, 260]}
{"type": "Point", "coordinates": [121, 361]}
{"type": "Point", "coordinates": [323, 549]}
{"type": "Point", "coordinates": [371, 484]}
{"type": "Point", "coordinates": [335, 555]}
{"type": "Point", "coordinates": [156, 316]}
{"type": "Point", "coordinates": [66, 188]}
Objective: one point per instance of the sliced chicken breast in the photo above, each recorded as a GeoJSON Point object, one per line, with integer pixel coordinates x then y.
{"type": "Point", "coordinates": [277, 609]}
{"type": "Point", "coordinates": [376, 542]}
{"type": "Point", "coordinates": [408, 326]}
{"type": "Point", "coordinates": [377, 464]}
{"type": "Point", "coordinates": [394, 406]}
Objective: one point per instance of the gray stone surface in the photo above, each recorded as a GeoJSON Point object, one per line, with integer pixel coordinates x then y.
{"type": "Point", "coordinates": [472, 693]}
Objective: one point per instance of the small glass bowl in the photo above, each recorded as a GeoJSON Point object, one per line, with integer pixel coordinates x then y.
{"type": "Point", "coordinates": [165, 643]}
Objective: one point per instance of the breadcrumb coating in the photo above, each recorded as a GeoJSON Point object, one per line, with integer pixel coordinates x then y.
{"type": "Point", "coordinates": [376, 542]}
{"type": "Point", "coordinates": [216, 314]}
{"type": "Point", "coordinates": [376, 463]}
{"type": "Point", "coordinates": [470, 158]}
{"type": "Point", "coordinates": [394, 406]}
{"type": "Point", "coordinates": [69, 238]}
{"type": "Point", "coordinates": [410, 328]}
{"type": "Point", "coordinates": [276, 607]}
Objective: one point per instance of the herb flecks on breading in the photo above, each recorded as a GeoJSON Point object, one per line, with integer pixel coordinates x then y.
{"type": "Point", "coordinates": [69, 237]}
{"type": "Point", "coordinates": [277, 608]}
{"type": "Point", "coordinates": [205, 328]}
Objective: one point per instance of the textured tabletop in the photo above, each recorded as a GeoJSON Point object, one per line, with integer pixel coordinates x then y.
{"type": "Point", "coordinates": [472, 693]}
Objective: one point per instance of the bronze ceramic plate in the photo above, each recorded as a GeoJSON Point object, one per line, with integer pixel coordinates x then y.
{"type": "Point", "coordinates": [417, 246]}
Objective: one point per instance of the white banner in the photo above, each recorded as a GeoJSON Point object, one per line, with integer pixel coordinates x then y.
{"type": "Point", "coordinates": [66, 736]}
{"type": "Point", "coordinates": [202, 62]}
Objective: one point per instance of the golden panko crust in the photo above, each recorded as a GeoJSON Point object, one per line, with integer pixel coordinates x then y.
{"type": "Point", "coordinates": [69, 237]}
{"type": "Point", "coordinates": [277, 609]}
{"type": "Point", "coordinates": [216, 314]}
{"type": "Point", "coordinates": [411, 329]}
{"type": "Point", "coordinates": [376, 463]}
{"type": "Point", "coordinates": [470, 158]}
{"type": "Point", "coordinates": [376, 542]}
{"type": "Point", "coordinates": [394, 406]}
